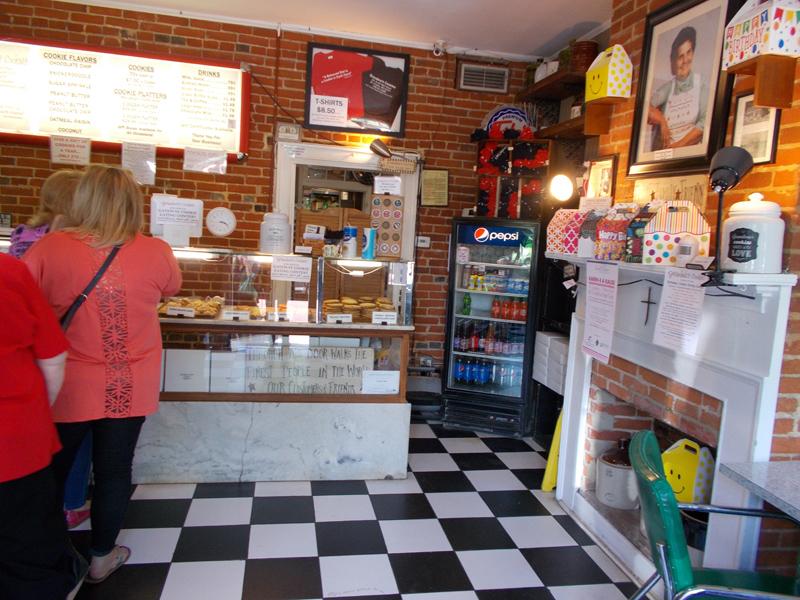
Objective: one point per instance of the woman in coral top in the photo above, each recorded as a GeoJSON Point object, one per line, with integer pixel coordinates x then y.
{"type": "Point", "coordinates": [111, 382]}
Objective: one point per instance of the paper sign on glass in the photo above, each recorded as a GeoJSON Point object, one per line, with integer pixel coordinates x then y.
{"type": "Point", "coordinates": [205, 161]}
{"type": "Point", "coordinates": [291, 268]}
{"type": "Point", "coordinates": [680, 309]}
{"type": "Point", "coordinates": [140, 159]}
{"type": "Point", "coordinates": [601, 305]}
{"type": "Point", "coordinates": [65, 150]}
{"type": "Point", "coordinates": [165, 208]}
{"type": "Point", "coordinates": [328, 110]}
{"type": "Point", "coordinates": [388, 184]}
{"type": "Point", "coordinates": [297, 311]}
{"type": "Point", "coordinates": [380, 382]}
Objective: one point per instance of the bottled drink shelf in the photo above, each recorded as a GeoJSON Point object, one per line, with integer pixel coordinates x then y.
{"type": "Point", "coordinates": [491, 293]}
{"type": "Point", "coordinates": [498, 265]}
{"type": "Point", "coordinates": [514, 359]}
{"type": "Point", "coordinates": [495, 390]}
{"type": "Point", "coordinates": [487, 318]}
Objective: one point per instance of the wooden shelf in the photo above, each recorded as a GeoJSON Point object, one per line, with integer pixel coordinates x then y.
{"type": "Point", "coordinates": [774, 79]}
{"type": "Point", "coordinates": [554, 87]}
{"type": "Point", "coordinates": [571, 129]}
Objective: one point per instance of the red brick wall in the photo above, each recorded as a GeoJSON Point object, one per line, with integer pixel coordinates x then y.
{"type": "Point", "coordinates": [780, 183]}
{"type": "Point", "coordinates": [438, 123]}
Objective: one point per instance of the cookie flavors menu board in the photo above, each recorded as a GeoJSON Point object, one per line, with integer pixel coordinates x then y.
{"type": "Point", "coordinates": [47, 90]}
{"type": "Point", "coordinates": [386, 218]}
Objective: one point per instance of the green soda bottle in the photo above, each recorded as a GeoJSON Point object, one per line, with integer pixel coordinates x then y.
{"type": "Point", "coordinates": [467, 308]}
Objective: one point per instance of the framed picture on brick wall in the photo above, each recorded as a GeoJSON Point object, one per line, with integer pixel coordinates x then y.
{"type": "Point", "coordinates": [683, 98]}
{"type": "Point", "coordinates": [356, 90]}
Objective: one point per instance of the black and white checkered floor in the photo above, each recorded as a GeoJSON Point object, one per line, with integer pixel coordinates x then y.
{"type": "Point", "coordinates": [469, 522]}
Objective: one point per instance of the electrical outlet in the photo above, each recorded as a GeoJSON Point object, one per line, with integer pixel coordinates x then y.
{"type": "Point", "coordinates": [423, 241]}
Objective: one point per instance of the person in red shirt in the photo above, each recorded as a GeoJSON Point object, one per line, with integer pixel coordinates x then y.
{"type": "Point", "coordinates": [114, 362]}
{"type": "Point", "coordinates": [37, 561]}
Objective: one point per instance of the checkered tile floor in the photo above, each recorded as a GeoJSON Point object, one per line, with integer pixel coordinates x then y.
{"type": "Point", "coordinates": [469, 522]}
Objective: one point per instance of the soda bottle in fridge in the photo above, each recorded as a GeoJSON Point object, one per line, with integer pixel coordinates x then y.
{"type": "Point", "coordinates": [482, 340]}
{"type": "Point", "coordinates": [458, 371]}
{"type": "Point", "coordinates": [515, 310]}
{"type": "Point", "coordinates": [489, 345]}
{"type": "Point", "coordinates": [523, 311]}
{"type": "Point", "coordinates": [466, 272]}
{"type": "Point", "coordinates": [474, 341]}
{"type": "Point", "coordinates": [495, 311]}
{"type": "Point", "coordinates": [467, 308]}
{"type": "Point", "coordinates": [506, 312]}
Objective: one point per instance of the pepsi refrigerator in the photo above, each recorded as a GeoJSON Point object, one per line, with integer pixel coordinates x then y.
{"type": "Point", "coordinates": [491, 316]}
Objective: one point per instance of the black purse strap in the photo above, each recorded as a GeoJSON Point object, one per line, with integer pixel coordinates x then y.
{"type": "Point", "coordinates": [67, 318]}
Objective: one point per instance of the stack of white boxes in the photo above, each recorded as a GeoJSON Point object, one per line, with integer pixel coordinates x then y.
{"type": "Point", "coordinates": [550, 360]}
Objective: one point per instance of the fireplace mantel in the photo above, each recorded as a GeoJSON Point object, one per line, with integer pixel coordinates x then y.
{"type": "Point", "coordinates": [738, 361]}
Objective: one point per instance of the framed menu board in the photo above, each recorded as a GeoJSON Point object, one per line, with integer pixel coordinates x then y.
{"type": "Point", "coordinates": [115, 96]}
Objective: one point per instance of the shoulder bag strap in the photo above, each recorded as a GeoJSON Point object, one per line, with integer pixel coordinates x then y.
{"type": "Point", "coordinates": [67, 318]}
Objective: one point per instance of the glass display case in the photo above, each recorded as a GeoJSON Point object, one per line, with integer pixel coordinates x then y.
{"type": "Point", "coordinates": [234, 333]}
{"type": "Point", "coordinates": [223, 285]}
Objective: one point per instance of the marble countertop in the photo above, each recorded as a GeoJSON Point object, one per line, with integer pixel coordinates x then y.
{"type": "Point", "coordinates": [776, 482]}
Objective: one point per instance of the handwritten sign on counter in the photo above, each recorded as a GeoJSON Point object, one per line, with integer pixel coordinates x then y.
{"type": "Point", "coordinates": [110, 97]}
{"type": "Point", "coordinates": [306, 370]}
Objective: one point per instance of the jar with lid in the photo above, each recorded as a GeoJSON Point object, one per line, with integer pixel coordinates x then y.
{"type": "Point", "coordinates": [275, 234]}
{"type": "Point", "coordinates": [752, 237]}
{"type": "Point", "coordinates": [616, 481]}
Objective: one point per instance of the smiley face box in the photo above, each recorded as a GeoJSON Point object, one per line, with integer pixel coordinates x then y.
{"type": "Point", "coordinates": [771, 27]}
{"type": "Point", "coordinates": [610, 75]}
{"type": "Point", "coordinates": [690, 471]}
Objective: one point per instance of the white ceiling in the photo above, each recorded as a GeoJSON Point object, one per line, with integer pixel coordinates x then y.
{"type": "Point", "coordinates": [512, 29]}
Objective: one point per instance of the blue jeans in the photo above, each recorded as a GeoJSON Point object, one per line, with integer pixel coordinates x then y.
{"type": "Point", "coordinates": [113, 444]}
{"type": "Point", "coordinates": [78, 479]}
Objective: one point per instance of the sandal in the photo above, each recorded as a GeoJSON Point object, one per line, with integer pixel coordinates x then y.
{"type": "Point", "coordinates": [121, 556]}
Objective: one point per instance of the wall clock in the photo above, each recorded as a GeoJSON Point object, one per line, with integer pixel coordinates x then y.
{"type": "Point", "coordinates": [221, 221]}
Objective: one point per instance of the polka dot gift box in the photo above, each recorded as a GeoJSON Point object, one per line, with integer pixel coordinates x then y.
{"type": "Point", "coordinates": [610, 75]}
{"type": "Point", "coordinates": [771, 27]}
{"type": "Point", "coordinates": [673, 221]}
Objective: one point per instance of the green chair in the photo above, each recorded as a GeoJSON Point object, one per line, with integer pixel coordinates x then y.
{"type": "Point", "coordinates": [662, 520]}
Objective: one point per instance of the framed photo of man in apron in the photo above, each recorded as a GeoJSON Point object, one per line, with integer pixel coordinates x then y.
{"type": "Point", "coordinates": [682, 98]}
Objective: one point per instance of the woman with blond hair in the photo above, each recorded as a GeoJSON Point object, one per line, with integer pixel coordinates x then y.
{"type": "Point", "coordinates": [114, 361]}
{"type": "Point", "coordinates": [55, 199]}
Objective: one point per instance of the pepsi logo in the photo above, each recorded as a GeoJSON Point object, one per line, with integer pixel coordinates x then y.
{"type": "Point", "coordinates": [481, 234]}
{"type": "Point", "coordinates": [484, 235]}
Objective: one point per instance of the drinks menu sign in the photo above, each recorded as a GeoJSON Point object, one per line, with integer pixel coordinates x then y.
{"type": "Point", "coordinates": [110, 97]}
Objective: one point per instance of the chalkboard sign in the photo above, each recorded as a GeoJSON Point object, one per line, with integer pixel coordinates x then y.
{"type": "Point", "coordinates": [115, 96]}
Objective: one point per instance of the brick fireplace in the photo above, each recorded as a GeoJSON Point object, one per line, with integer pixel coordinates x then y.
{"type": "Point", "coordinates": [625, 398]}
{"type": "Point", "coordinates": [725, 395]}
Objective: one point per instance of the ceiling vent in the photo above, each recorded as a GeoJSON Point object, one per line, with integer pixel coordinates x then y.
{"type": "Point", "coordinates": [478, 77]}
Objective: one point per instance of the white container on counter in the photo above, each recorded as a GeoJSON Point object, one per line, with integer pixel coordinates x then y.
{"type": "Point", "coordinates": [276, 235]}
{"type": "Point", "coordinates": [752, 237]}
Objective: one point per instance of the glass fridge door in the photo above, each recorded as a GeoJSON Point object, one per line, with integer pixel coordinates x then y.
{"type": "Point", "coordinates": [490, 296]}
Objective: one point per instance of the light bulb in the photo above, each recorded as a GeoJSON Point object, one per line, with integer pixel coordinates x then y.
{"type": "Point", "coordinates": [561, 188]}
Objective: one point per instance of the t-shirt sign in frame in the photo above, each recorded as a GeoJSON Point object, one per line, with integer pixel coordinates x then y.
{"type": "Point", "coordinates": [356, 90]}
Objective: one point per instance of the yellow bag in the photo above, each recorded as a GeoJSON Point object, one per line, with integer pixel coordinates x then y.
{"type": "Point", "coordinates": [690, 471]}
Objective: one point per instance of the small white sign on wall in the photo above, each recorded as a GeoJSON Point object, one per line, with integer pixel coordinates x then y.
{"type": "Point", "coordinates": [66, 150]}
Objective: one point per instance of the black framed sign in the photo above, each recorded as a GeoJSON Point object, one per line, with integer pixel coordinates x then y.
{"type": "Point", "coordinates": [356, 90]}
{"type": "Point", "coordinates": [682, 98]}
{"type": "Point", "coordinates": [755, 128]}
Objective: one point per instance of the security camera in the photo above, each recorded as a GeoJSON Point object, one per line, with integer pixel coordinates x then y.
{"type": "Point", "coordinates": [439, 48]}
